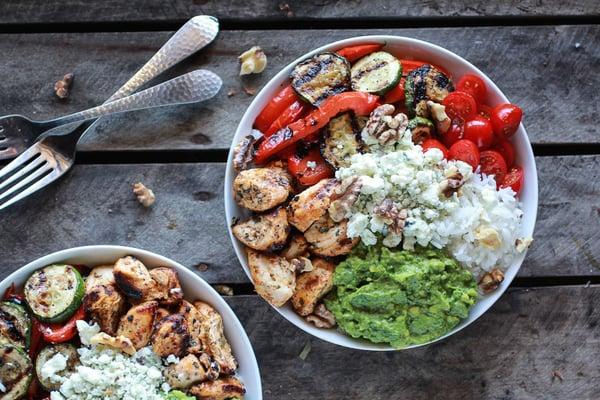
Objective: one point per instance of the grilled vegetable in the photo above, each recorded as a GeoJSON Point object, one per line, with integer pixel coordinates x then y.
{"type": "Point", "coordinates": [321, 76]}
{"type": "Point", "coordinates": [311, 286]}
{"type": "Point", "coordinates": [376, 73]}
{"type": "Point", "coordinates": [71, 358]}
{"type": "Point", "coordinates": [16, 372]}
{"type": "Point", "coordinates": [15, 324]}
{"type": "Point", "coordinates": [264, 232]}
{"type": "Point", "coordinates": [425, 83]}
{"type": "Point", "coordinates": [54, 293]}
{"type": "Point", "coordinates": [421, 129]}
{"type": "Point", "coordinates": [341, 140]}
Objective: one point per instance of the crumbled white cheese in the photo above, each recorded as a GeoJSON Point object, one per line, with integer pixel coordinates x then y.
{"type": "Point", "coordinates": [86, 331]}
{"type": "Point", "coordinates": [311, 164]}
{"type": "Point", "coordinates": [2, 388]}
{"type": "Point", "coordinates": [57, 363]}
{"type": "Point", "coordinates": [172, 359]}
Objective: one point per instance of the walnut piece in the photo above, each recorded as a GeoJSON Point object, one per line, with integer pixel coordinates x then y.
{"type": "Point", "coordinates": [453, 182]}
{"type": "Point", "coordinates": [61, 88]}
{"type": "Point", "coordinates": [253, 61]}
{"type": "Point", "coordinates": [383, 127]}
{"type": "Point", "coordinates": [144, 195]}
{"type": "Point", "coordinates": [322, 317]}
{"type": "Point", "coordinates": [439, 116]}
{"type": "Point", "coordinates": [346, 194]}
{"type": "Point", "coordinates": [302, 264]}
{"type": "Point", "coordinates": [394, 217]}
{"type": "Point", "coordinates": [491, 280]}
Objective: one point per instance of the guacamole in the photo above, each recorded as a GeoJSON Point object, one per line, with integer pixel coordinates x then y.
{"type": "Point", "coordinates": [400, 297]}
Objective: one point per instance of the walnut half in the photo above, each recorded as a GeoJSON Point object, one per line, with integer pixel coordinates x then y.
{"type": "Point", "coordinates": [394, 217]}
{"type": "Point", "coordinates": [491, 280]}
{"type": "Point", "coordinates": [144, 195]}
{"type": "Point", "coordinates": [322, 317]}
{"type": "Point", "coordinates": [383, 127]}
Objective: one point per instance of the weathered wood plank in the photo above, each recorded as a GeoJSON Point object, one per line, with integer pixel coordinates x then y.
{"type": "Point", "coordinates": [139, 10]}
{"type": "Point", "coordinates": [94, 205]}
{"type": "Point", "coordinates": [552, 83]}
{"type": "Point", "coordinates": [533, 344]}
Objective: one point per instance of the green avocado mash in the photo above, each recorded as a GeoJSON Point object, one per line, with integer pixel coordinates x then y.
{"type": "Point", "coordinates": [400, 297]}
{"type": "Point", "coordinates": [177, 395]}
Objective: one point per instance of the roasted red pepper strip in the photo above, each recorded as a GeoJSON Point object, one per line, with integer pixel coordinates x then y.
{"type": "Point", "coordinates": [409, 65]}
{"type": "Point", "coordinates": [35, 342]}
{"type": "Point", "coordinates": [59, 333]}
{"type": "Point", "coordinates": [358, 102]}
{"type": "Point", "coordinates": [274, 108]}
{"type": "Point", "coordinates": [11, 294]}
{"type": "Point", "coordinates": [354, 53]}
{"type": "Point", "coordinates": [309, 174]}
{"type": "Point", "coordinates": [289, 115]}
{"type": "Point", "coordinates": [396, 94]}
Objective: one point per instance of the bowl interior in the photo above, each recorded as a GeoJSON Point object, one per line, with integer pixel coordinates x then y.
{"type": "Point", "coordinates": [194, 288]}
{"type": "Point", "coordinates": [456, 66]}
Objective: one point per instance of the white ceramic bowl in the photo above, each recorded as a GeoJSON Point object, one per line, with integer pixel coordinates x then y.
{"type": "Point", "coordinates": [410, 49]}
{"type": "Point", "coordinates": [194, 288]}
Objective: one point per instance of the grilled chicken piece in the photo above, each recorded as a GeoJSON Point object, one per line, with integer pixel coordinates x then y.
{"type": "Point", "coordinates": [161, 313]}
{"type": "Point", "coordinates": [132, 277]}
{"type": "Point", "coordinates": [167, 290]}
{"type": "Point", "coordinates": [221, 389]}
{"type": "Point", "coordinates": [137, 324]}
{"type": "Point", "coordinates": [310, 205]}
{"type": "Point", "coordinates": [312, 286]}
{"type": "Point", "coordinates": [260, 189]}
{"type": "Point", "coordinates": [328, 238]}
{"type": "Point", "coordinates": [214, 342]}
{"type": "Point", "coordinates": [105, 305]}
{"type": "Point", "coordinates": [170, 336]}
{"type": "Point", "coordinates": [194, 324]}
{"type": "Point", "coordinates": [264, 232]}
{"type": "Point", "coordinates": [185, 373]}
{"type": "Point", "coordinates": [296, 247]}
{"type": "Point", "coordinates": [273, 276]}
{"type": "Point", "coordinates": [102, 275]}
{"type": "Point", "coordinates": [120, 343]}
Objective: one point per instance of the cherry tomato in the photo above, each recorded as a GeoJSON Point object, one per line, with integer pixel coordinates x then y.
{"type": "Point", "coordinates": [354, 53]}
{"type": "Point", "coordinates": [434, 144]}
{"type": "Point", "coordinates": [484, 111]}
{"type": "Point", "coordinates": [466, 151]}
{"type": "Point", "coordinates": [454, 134]}
{"type": "Point", "coordinates": [479, 131]}
{"type": "Point", "coordinates": [514, 179]}
{"type": "Point", "coordinates": [410, 65]}
{"type": "Point", "coordinates": [62, 332]}
{"type": "Point", "coordinates": [460, 106]}
{"type": "Point", "coordinates": [492, 163]}
{"type": "Point", "coordinates": [506, 119]}
{"type": "Point", "coordinates": [473, 85]}
{"type": "Point", "coordinates": [507, 150]}
{"type": "Point", "coordinates": [309, 174]}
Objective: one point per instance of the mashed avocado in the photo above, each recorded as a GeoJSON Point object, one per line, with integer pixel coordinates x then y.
{"type": "Point", "coordinates": [400, 297]}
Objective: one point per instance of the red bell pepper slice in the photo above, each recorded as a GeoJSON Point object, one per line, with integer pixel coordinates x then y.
{"type": "Point", "coordinates": [11, 294]}
{"type": "Point", "coordinates": [60, 333]}
{"type": "Point", "coordinates": [360, 103]}
{"type": "Point", "coordinates": [354, 53]}
{"type": "Point", "coordinates": [289, 115]}
{"type": "Point", "coordinates": [396, 94]}
{"type": "Point", "coordinates": [274, 108]}
{"type": "Point", "coordinates": [410, 65]}
{"type": "Point", "coordinates": [309, 174]}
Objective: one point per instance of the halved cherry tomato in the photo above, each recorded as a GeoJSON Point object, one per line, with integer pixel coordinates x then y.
{"type": "Point", "coordinates": [506, 119]}
{"type": "Point", "coordinates": [492, 163]}
{"type": "Point", "coordinates": [274, 108]}
{"type": "Point", "coordinates": [309, 169]}
{"type": "Point", "coordinates": [411, 65]}
{"type": "Point", "coordinates": [479, 131]}
{"type": "Point", "coordinates": [434, 144]}
{"type": "Point", "coordinates": [354, 53]}
{"type": "Point", "coordinates": [455, 133]}
{"type": "Point", "coordinates": [396, 94]}
{"type": "Point", "coordinates": [514, 179]}
{"type": "Point", "coordinates": [289, 115]}
{"type": "Point", "coordinates": [484, 111]}
{"type": "Point", "coordinates": [466, 151]}
{"type": "Point", "coordinates": [460, 106]}
{"type": "Point", "coordinates": [507, 150]}
{"type": "Point", "coordinates": [60, 333]}
{"type": "Point", "coordinates": [473, 85]}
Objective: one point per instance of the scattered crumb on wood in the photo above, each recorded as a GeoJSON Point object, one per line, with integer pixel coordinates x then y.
{"type": "Point", "coordinates": [231, 93]}
{"type": "Point", "coordinates": [172, 225]}
{"type": "Point", "coordinates": [62, 88]}
{"type": "Point", "coordinates": [202, 267]}
{"type": "Point", "coordinates": [305, 351]}
{"type": "Point", "coordinates": [224, 290]}
{"type": "Point", "coordinates": [144, 195]}
{"type": "Point", "coordinates": [250, 91]}
{"type": "Point", "coordinates": [286, 10]}
{"type": "Point", "coordinates": [557, 375]}
{"type": "Point", "coordinates": [588, 283]}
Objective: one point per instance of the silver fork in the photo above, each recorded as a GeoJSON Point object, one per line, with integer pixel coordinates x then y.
{"type": "Point", "coordinates": [191, 37]}
{"type": "Point", "coordinates": [52, 156]}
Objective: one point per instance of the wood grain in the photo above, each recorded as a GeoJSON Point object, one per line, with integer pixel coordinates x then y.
{"type": "Point", "coordinates": [94, 205]}
{"type": "Point", "coordinates": [517, 350]}
{"type": "Point", "coordinates": [29, 11]}
{"type": "Point", "coordinates": [547, 70]}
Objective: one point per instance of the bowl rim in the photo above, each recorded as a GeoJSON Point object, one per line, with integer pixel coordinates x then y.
{"type": "Point", "coordinates": [276, 82]}
{"type": "Point", "coordinates": [190, 277]}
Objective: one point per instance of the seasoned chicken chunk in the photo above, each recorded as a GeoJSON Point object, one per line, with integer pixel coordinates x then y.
{"type": "Point", "coordinates": [213, 338]}
{"type": "Point", "coordinates": [296, 247]}
{"type": "Point", "coordinates": [260, 189]}
{"type": "Point", "coordinates": [221, 389]}
{"type": "Point", "coordinates": [105, 305]}
{"type": "Point", "coordinates": [311, 204]}
{"type": "Point", "coordinates": [328, 238]}
{"type": "Point", "coordinates": [193, 320]}
{"type": "Point", "coordinates": [273, 276]}
{"type": "Point", "coordinates": [170, 336]}
{"type": "Point", "coordinates": [167, 289]}
{"type": "Point", "coordinates": [312, 286]}
{"type": "Point", "coordinates": [264, 232]}
{"type": "Point", "coordinates": [132, 277]}
{"type": "Point", "coordinates": [102, 275]}
{"type": "Point", "coordinates": [137, 323]}
{"type": "Point", "coordinates": [185, 373]}
{"type": "Point", "coordinates": [161, 313]}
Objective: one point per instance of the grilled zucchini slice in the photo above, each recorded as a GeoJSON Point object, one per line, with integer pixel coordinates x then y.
{"type": "Point", "coordinates": [341, 140]}
{"type": "Point", "coordinates": [55, 292]}
{"type": "Point", "coordinates": [72, 359]}
{"type": "Point", "coordinates": [15, 372]}
{"type": "Point", "coordinates": [421, 129]}
{"type": "Point", "coordinates": [376, 73]}
{"type": "Point", "coordinates": [422, 84]}
{"type": "Point", "coordinates": [321, 76]}
{"type": "Point", "coordinates": [15, 324]}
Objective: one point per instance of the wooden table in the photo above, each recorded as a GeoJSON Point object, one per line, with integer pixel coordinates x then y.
{"type": "Point", "coordinates": [540, 340]}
